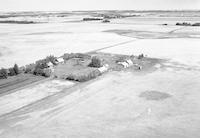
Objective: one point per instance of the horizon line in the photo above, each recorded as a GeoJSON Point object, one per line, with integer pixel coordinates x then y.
{"type": "Point", "coordinates": [173, 10]}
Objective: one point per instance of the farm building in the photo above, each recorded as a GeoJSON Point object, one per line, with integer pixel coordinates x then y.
{"type": "Point", "coordinates": [60, 60]}
{"type": "Point", "coordinates": [50, 65]}
{"type": "Point", "coordinates": [104, 68]}
{"type": "Point", "coordinates": [126, 63]}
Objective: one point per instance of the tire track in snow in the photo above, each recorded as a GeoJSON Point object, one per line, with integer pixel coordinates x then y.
{"type": "Point", "coordinates": [174, 30]}
{"type": "Point", "coordinates": [115, 45]}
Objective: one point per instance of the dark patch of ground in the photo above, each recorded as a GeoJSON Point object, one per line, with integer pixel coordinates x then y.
{"type": "Point", "coordinates": [18, 22]}
{"type": "Point", "coordinates": [47, 33]}
{"type": "Point", "coordinates": [154, 95]}
{"type": "Point", "coordinates": [152, 35]}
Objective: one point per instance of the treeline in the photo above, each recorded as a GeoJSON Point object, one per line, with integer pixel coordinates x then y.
{"type": "Point", "coordinates": [92, 19]}
{"type": "Point", "coordinates": [4, 73]}
{"type": "Point", "coordinates": [18, 22]}
{"type": "Point", "coordinates": [40, 67]}
{"type": "Point", "coordinates": [187, 24]}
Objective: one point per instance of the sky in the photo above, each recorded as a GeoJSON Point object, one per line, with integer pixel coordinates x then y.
{"type": "Point", "coordinates": [69, 5]}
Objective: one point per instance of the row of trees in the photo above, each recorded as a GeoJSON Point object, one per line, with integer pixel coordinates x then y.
{"type": "Point", "coordinates": [4, 73]}
{"type": "Point", "coordinates": [188, 24]}
{"type": "Point", "coordinates": [40, 68]}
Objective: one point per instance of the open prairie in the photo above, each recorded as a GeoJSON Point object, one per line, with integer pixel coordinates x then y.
{"type": "Point", "coordinates": [26, 43]}
{"type": "Point", "coordinates": [160, 101]}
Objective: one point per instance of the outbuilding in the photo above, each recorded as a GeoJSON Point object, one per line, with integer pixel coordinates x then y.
{"type": "Point", "coordinates": [49, 64]}
{"type": "Point", "coordinates": [60, 60]}
{"type": "Point", "coordinates": [104, 68]}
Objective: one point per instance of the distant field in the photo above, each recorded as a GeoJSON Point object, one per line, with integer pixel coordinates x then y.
{"type": "Point", "coordinates": [17, 82]}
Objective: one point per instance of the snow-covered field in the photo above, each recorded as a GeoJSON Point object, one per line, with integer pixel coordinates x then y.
{"type": "Point", "coordinates": [31, 94]}
{"type": "Point", "coordinates": [183, 51]}
{"type": "Point", "coordinates": [112, 105]}
{"type": "Point", "coordinates": [25, 43]}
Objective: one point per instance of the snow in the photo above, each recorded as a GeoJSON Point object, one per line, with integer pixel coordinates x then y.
{"type": "Point", "coordinates": [185, 51]}
{"type": "Point", "coordinates": [36, 41]}
{"type": "Point", "coordinates": [24, 45]}
{"type": "Point", "coordinates": [109, 106]}
{"type": "Point", "coordinates": [31, 94]}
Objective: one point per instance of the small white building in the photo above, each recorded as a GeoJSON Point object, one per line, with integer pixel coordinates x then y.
{"type": "Point", "coordinates": [104, 68]}
{"type": "Point", "coordinates": [60, 60]}
{"type": "Point", "coordinates": [50, 67]}
{"type": "Point", "coordinates": [124, 64]}
{"type": "Point", "coordinates": [129, 62]}
{"type": "Point", "coordinates": [49, 64]}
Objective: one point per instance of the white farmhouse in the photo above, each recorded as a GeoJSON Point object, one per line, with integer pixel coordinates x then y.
{"type": "Point", "coordinates": [129, 62]}
{"type": "Point", "coordinates": [60, 60]}
{"type": "Point", "coordinates": [104, 68]}
{"type": "Point", "coordinates": [49, 64]}
{"type": "Point", "coordinates": [124, 64]}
